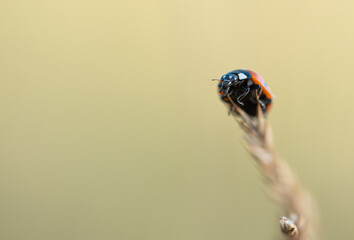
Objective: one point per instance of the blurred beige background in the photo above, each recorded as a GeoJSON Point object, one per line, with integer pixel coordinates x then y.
{"type": "Point", "coordinates": [110, 126]}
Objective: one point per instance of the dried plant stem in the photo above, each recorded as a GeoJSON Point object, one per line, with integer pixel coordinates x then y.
{"type": "Point", "coordinates": [283, 187]}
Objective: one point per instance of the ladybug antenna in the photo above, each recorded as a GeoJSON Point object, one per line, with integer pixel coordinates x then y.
{"type": "Point", "coordinates": [215, 79]}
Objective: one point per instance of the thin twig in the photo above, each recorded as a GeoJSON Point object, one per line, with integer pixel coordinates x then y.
{"type": "Point", "coordinates": [283, 187]}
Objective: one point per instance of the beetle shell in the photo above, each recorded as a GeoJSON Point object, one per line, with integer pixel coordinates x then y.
{"type": "Point", "coordinates": [242, 87]}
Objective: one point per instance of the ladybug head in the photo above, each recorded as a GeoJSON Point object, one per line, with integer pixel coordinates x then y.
{"type": "Point", "coordinates": [227, 81]}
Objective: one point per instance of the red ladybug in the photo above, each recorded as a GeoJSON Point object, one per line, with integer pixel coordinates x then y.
{"type": "Point", "coordinates": [243, 86]}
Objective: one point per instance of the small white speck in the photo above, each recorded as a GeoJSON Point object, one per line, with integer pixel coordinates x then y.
{"type": "Point", "coordinates": [242, 76]}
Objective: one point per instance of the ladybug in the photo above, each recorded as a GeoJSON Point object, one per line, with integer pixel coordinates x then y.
{"type": "Point", "coordinates": [246, 89]}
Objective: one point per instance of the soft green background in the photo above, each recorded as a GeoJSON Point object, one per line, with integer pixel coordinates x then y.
{"type": "Point", "coordinates": [110, 126]}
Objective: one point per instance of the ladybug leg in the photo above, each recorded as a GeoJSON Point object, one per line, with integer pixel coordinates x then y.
{"type": "Point", "coordinates": [258, 92]}
{"type": "Point", "coordinates": [264, 102]}
{"type": "Point", "coordinates": [242, 96]}
{"type": "Point", "coordinates": [261, 103]}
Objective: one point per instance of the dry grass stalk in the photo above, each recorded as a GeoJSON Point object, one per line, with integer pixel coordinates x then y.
{"type": "Point", "coordinates": [282, 185]}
